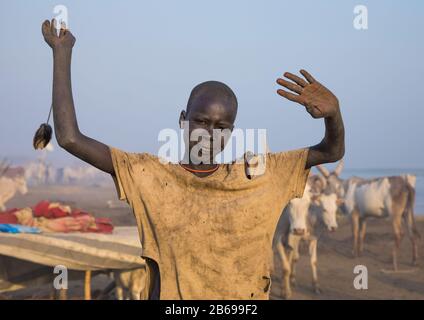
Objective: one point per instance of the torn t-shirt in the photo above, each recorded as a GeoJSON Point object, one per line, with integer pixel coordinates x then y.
{"type": "Point", "coordinates": [211, 237]}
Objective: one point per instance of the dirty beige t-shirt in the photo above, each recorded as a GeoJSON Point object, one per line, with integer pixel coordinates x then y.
{"type": "Point", "coordinates": [211, 237]}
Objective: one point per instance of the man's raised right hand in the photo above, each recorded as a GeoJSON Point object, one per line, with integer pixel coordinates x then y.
{"type": "Point", "coordinates": [65, 39]}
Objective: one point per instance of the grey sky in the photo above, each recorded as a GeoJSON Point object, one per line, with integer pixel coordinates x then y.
{"type": "Point", "coordinates": [135, 62]}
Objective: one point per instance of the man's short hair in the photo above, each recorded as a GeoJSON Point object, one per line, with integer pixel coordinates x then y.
{"type": "Point", "coordinates": [213, 91]}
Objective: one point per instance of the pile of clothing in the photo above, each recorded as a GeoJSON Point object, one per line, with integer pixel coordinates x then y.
{"type": "Point", "coordinates": [48, 216]}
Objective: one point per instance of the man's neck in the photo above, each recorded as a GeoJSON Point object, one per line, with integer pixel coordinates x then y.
{"type": "Point", "coordinates": [200, 169]}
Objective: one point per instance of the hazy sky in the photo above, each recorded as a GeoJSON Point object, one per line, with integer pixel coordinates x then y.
{"type": "Point", "coordinates": [135, 62]}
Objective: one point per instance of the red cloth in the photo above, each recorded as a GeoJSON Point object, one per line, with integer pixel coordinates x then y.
{"type": "Point", "coordinates": [62, 221]}
{"type": "Point", "coordinates": [42, 209]}
{"type": "Point", "coordinates": [9, 216]}
{"type": "Point", "coordinates": [104, 225]}
{"type": "Point", "coordinates": [78, 212]}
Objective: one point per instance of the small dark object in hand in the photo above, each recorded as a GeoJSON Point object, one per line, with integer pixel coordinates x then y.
{"type": "Point", "coordinates": [43, 136]}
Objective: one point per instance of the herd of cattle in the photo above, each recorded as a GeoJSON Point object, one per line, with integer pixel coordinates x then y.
{"type": "Point", "coordinates": [325, 195]}
{"type": "Point", "coordinates": [303, 220]}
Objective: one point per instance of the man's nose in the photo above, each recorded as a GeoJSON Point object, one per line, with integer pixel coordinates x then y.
{"type": "Point", "coordinates": [210, 131]}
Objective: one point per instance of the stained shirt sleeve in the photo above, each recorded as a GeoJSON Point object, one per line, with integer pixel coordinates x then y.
{"type": "Point", "coordinates": [288, 170]}
{"type": "Point", "coordinates": [128, 169]}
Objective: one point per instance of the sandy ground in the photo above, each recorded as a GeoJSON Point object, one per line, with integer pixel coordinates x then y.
{"type": "Point", "coordinates": [336, 265]}
{"type": "Point", "coordinates": [335, 262]}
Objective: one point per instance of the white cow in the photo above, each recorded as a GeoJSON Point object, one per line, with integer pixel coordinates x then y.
{"type": "Point", "coordinates": [12, 180]}
{"type": "Point", "coordinates": [304, 219]}
{"type": "Point", "coordinates": [131, 284]}
{"type": "Point", "coordinates": [377, 198]}
{"type": "Point", "coordinates": [380, 198]}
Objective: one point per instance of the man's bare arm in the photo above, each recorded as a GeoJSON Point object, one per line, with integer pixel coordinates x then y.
{"type": "Point", "coordinates": [66, 128]}
{"type": "Point", "coordinates": [332, 146]}
{"type": "Point", "coordinates": [320, 103]}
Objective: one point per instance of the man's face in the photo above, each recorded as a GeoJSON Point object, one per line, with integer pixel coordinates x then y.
{"type": "Point", "coordinates": [209, 116]}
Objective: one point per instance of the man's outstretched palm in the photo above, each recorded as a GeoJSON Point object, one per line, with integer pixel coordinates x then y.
{"type": "Point", "coordinates": [318, 100]}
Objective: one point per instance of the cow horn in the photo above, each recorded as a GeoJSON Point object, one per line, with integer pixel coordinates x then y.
{"type": "Point", "coordinates": [323, 171]}
{"type": "Point", "coordinates": [339, 168]}
{"type": "Point", "coordinates": [323, 180]}
{"type": "Point", "coordinates": [315, 198]}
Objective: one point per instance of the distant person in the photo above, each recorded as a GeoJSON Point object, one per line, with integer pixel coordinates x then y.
{"type": "Point", "coordinates": [206, 229]}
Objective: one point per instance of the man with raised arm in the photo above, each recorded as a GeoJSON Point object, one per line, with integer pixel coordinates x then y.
{"type": "Point", "coordinates": [206, 229]}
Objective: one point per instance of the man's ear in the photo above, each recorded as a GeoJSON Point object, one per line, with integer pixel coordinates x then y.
{"type": "Point", "coordinates": [182, 118]}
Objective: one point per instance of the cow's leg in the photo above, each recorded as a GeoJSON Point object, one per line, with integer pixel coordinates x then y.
{"type": "Point", "coordinates": [119, 292]}
{"type": "Point", "coordinates": [119, 286]}
{"type": "Point", "coordinates": [293, 258]}
{"type": "Point", "coordinates": [355, 232]}
{"type": "Point", "coordinates": [285, 264]}
{"type": "Point", "coordinates": [397, 231]}
{"type": "Point", "coordinates": [135, 295]}
{"type": "Point", "coordinates": [145, 293]}
{"type": "Point", "coordinates": [288, 287]}
{"type": "Point", "coordinates": [409, 222]}
{"type": "Point", "coordinates": [314, 264]}
{"type": "Point", "coordinates": [293, 272]}
{"type": "Point", "coordinates": [137, 283]}
{"type": "Point", "coordinates": [362, 231]}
